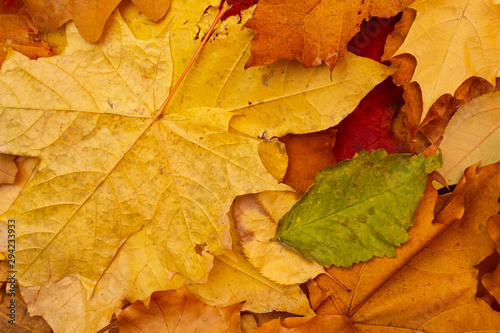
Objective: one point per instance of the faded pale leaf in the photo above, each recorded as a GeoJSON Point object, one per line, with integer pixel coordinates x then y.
{"type": "Point", "coordinates": [178, 311]}
{"type": "Point", "coordinates": [472, 135]}
{"type": "Point", "coordinates": [256, 218]}
{"type": "Point", "coordinates": [310, 30]}
{"type": "Point", "coordinates": [370, 202]}
{"type": "Point", "coordinates": [233, 280]}
{"type": "Point", "coordinates": [446, 301]}
{"type": "Point", "coordinates": [108, 170]}
{"type": "Point", "coordinates": [278, 99]}
{"type": "Point", "coordinates": [452, 41]}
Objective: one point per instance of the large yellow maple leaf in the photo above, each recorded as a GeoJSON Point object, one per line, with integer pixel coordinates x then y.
{"type": "Point", "coordinates": [452, 41]}
{"type": "Point", "coordinates": [115, 181]}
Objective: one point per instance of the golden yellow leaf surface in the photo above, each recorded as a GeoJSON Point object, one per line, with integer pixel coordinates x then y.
{"type": "Point", "coordinates": [256, 217]}
{"type": "Point", "coordinates": [107, 169]}
{"type": "Point", "coordinates": [134, 274]}
{"type": "Point", "coordinates": [452, 41]}
{"type": "Point", "coordinates": [472, 135]}
{"type": "Point", "coordinates": [279, 98]}
{"type": "Point", "coordinates": [234, 279]}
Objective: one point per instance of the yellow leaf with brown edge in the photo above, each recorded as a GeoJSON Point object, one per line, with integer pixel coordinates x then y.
{"type": "Point", "coordinates": [279, 98]}
{"type": "Point", "coordinates": [472, 135]}
{"type": "Point", "coordinates": [256, 218]}
{"type": "Point", "coordinates": [178, 311]}
{"type": "Point", "coordinates": [452, 41]}
{"type": "Point", "coordinates": [111, 169]}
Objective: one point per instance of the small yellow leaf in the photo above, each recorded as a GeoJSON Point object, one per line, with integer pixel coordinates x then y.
{"type": "Point", "coordinates": [256, 217]}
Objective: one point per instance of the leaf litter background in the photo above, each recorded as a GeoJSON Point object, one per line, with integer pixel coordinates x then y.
{"type": "Point", "coordinates": [87, 297]}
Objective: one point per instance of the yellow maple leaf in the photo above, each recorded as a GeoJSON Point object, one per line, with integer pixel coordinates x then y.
{"type": "Point", "coordinates": [114, 182]}
{"type": "Point", "coordinates": [452, 41]}
{"type": "Point", "coordinates": [110, 170]}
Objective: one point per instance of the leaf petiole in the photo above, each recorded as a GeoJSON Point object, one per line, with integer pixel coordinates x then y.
{"type": "Point", "coordinates": [222, 10]}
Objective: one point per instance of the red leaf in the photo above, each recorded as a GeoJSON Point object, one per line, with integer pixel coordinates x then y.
{"type": "Point", "coordinates": [369, 125]}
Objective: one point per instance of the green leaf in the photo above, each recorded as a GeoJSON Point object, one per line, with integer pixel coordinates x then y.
{"type": "Point", "coordinates": [358, 209]}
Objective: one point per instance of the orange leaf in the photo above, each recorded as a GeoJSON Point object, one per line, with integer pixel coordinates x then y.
{"type": "Point", "coordinates": [323, 323]}
{"type": "Point", "coordinates": [88, 16]}
{"type": "Point", "coordinates": [178, 311]}
{"type": "Point", "coordinates": [312, 31]}
{"type": "Point", "coordinates": [307, 154]}
{"type": "Point", "coordinates": [15, 31]}
{"type": "Point", "coordinates": [492, 280]}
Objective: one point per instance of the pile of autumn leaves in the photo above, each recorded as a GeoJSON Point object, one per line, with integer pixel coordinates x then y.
{"type": "Point", "coordinates": [442, 93]}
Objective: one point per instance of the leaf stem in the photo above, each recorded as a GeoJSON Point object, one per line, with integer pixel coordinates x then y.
{"type": "Point", "coordinates": [335, 280]}
{"type": "Point", "coordinates": [222, 10]}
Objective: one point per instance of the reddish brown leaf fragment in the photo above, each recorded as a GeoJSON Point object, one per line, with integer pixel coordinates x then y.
{"type": "Point", "coordinates": [237, 7]}
{"type": "Point", "coordinates": [307, 154]}
{"type": "Point", "coordinates": [15, 32]}
{"type": "Point", "coordinates": [370, 41]}
{"type": "Point", "coordinates": [369, 125]}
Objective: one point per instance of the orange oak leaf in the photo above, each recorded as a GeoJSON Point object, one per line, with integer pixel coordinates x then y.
{"type": "Point", "coordinates": [312, 31]}
{"type": "Point", "coordinates": [178, 311]}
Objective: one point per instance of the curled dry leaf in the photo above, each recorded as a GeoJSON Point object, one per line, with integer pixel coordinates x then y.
{"type": "Point", "coordinates": [178, 311]}
{"type": "Point", "coordinates": [311, 31]}
{"type": "Point", "coordinates": [256, 218]}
